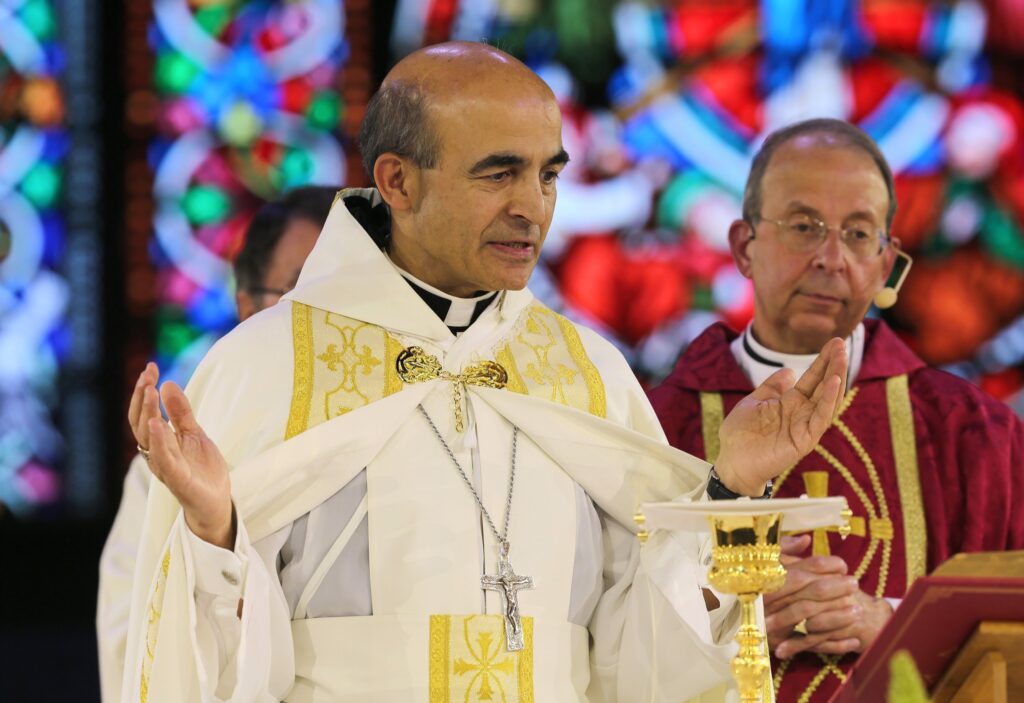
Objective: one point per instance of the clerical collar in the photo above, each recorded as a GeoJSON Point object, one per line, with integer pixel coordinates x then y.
{"type": "Point", "coordinates": [457, 313]}
{"type": "Point", "coordinates": [759, 362]}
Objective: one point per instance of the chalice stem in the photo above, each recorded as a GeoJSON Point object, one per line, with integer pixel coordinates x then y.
{"type": "Point", "coordinates": [751, 665]}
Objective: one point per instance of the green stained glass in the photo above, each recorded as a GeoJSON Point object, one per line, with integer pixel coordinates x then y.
{"type": "Point", "coordinates": [1002, 237]}
{"type": "Point", "coordinates": [213, 18]}
{"type": "Point", "coordinates": [173, 333]}
{"type": "Point", "coordinates": [702, 298]}
{"type": "Point", "coordinates": [205, 205]}
{"type": "Point", "coordinates": [296, 169]}
{"type": "Point", "coordinates": [38, 17]}
{"type": "Point", "coordinates": [679, 196]}
{"type": "Point", "coordinates": [324, 110]}
{"type": "Point", "coordinates": [174, 72]}
{"type": "Point", "coordinates": [41, 185]}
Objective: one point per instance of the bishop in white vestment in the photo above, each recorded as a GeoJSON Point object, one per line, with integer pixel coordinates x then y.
{"type": "Point", "coordinates": [420, 515]}
{"type": "Point", "coordinates": [360, 549]}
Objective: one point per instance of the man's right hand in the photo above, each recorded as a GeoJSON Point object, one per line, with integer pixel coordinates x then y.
{"type": "Point", "coordinates": [780, 422]}
{"type": "Point", "coordinates": [183, 458]}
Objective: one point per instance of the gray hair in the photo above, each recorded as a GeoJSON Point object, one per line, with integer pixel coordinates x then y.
{"type": "Point", "coordinates": [842, 134]}
{"type": "Point", "coordinates": [398, 121]}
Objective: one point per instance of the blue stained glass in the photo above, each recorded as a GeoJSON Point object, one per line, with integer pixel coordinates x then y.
{"type": "Point", "coordinates": [342, 53]}
{"type": "Point", "coordinates": [59, 341]}
{"type": "Point", "coordinates": [157, 255]}
{"type": "Point", "coordinates": [156, 40]}
{"type": "Point", "coordinates": [928, 161]}
{"type": "Point", "coordinates": [896, 104]}
{"type": "Point", "coordinates": [56, 58]}
{"type": "Point", "coordinates": [53, 238]}
{"type": "Point", "coordinates": [56, 145]}
{"type": "Point", "coordinates": [213, 309]}
{"type": "Point", "coordinates": [156, 151]}
{"type": "Point", "coordinates": [783, 26]}
{"type": "Point", "coordinates": [642, 137]}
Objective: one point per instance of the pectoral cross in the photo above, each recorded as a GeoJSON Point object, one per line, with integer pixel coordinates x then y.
{"type": "Point", "coordinates": [508, 583]}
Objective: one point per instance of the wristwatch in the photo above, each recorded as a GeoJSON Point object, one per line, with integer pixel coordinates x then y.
{"type": "Point", "coordinates": [718, 491]}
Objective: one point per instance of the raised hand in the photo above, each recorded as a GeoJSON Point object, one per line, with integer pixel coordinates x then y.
{"type": "Point", "coordinates": [780, 422]}
{"type": "Point", "coordinates": [183, 458]}
{"type": "Point", "coordinates": [145, 405]}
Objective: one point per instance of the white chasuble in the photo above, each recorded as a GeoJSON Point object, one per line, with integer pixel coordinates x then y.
{"type": "Point", "coordinates": [304, 397]}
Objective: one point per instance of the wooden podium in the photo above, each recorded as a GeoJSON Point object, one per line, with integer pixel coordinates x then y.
{"type": "Point", "coordinates": [963, 626]}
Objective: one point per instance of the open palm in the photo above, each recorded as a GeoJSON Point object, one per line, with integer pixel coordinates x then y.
{"type": "Point", "coordinates": [780, 422]}
{"type": "Point", "coordinates": [183, 458]}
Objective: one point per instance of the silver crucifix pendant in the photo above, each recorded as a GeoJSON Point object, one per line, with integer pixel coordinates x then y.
{"type": "Point", "coordinates": [508, 584]}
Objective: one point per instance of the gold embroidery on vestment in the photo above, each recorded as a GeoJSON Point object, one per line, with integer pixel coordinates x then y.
{"type": "Point", "coordinates": [546, 358]}
{"type": "Point", "coordinates": [341, 364]}
{"type": "Point", "coordinates": [883, 505]}
{"type": "Point", "coordinates": [904, 448]}
{"type": "Point", "coordinates": [302, 374]}
{"type": "Point", "coordinates": [468, 660]}
{"type": "Point", "coordinates": [829, 666]}
{"type": "Point", "coordinates": [862, 495]}
{"type": "Point", "coordinates": [712, 413]}
{"type": "Point", "coordinates": [156, 603]}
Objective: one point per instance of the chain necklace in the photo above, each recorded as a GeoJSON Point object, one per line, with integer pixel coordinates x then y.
{"type": "Point", "coordinates": [507, 582]}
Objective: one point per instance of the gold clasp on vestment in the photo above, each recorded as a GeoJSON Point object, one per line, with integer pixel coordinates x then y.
{"type": "Point", "coordinates": [414, 365]}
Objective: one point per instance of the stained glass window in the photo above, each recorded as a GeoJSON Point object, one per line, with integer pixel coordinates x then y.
{"type": "Point", "coordinates": [665, 103]}
{"type": "Point", "coordinates": [50, 292]}
{"type": "Point", "coordinates": [248, 103]}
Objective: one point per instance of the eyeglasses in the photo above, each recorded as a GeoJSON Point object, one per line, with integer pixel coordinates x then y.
{"type": "Point", "coordinates": [803, 233]}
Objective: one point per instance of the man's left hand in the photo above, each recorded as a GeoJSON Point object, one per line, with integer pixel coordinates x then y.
{"type": "Point", "coordinates": [840, 631]}
{"type": "Point", "coordinates": [780, 422]}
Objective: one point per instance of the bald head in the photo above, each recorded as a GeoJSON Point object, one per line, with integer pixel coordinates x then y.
{"type": "Point", "coordinates": [463, 69]}
{"type": "Point", "coordinates": [401, 116]}
{"type": "Point", "coordinates": [821, 131]}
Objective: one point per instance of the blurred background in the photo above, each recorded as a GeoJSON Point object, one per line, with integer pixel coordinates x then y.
{"type": "Point", "coordinates": [137, 137]}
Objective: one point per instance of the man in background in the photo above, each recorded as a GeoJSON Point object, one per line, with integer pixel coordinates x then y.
{"type": "Point", "coordinates": [929, 464]}
{"type": "Point", "coordinates": [277, 242]}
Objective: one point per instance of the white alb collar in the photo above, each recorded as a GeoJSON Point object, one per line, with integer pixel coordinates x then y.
{"type": "Point", "coordinates": [759, 362]}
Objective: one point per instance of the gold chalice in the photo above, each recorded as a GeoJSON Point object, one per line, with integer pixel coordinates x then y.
{"type": "Point", "coordinates": [745, 561]}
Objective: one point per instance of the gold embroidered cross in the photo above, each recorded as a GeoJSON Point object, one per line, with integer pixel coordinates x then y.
{"type": "Point", "coordinates": [556, 376]}
{"type": "Point", "coordinates": [364, 360]}
{"type": "Point", "coordinates": [484, 667]}
{"type": "Point", "coordinates": [816, 485]}
{"type": "Point", "coordinates": [414, 365]}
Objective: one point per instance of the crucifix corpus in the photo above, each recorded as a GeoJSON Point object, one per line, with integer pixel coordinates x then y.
{"type": "Point", "coordinates": [508, 584]}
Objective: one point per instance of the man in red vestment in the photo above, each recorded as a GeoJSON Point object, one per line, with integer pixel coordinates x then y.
{"type": "Point", "coordinates": [929, 464]}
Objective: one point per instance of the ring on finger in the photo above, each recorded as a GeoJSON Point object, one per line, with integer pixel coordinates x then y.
{"type": "Point", "coordinates": [801, 627]}
{"type": "Point", "coordinates": [143, 452]}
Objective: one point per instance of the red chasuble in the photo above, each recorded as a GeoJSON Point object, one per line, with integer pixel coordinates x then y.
{"type": "Point", "coordinates": [929, 464]}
